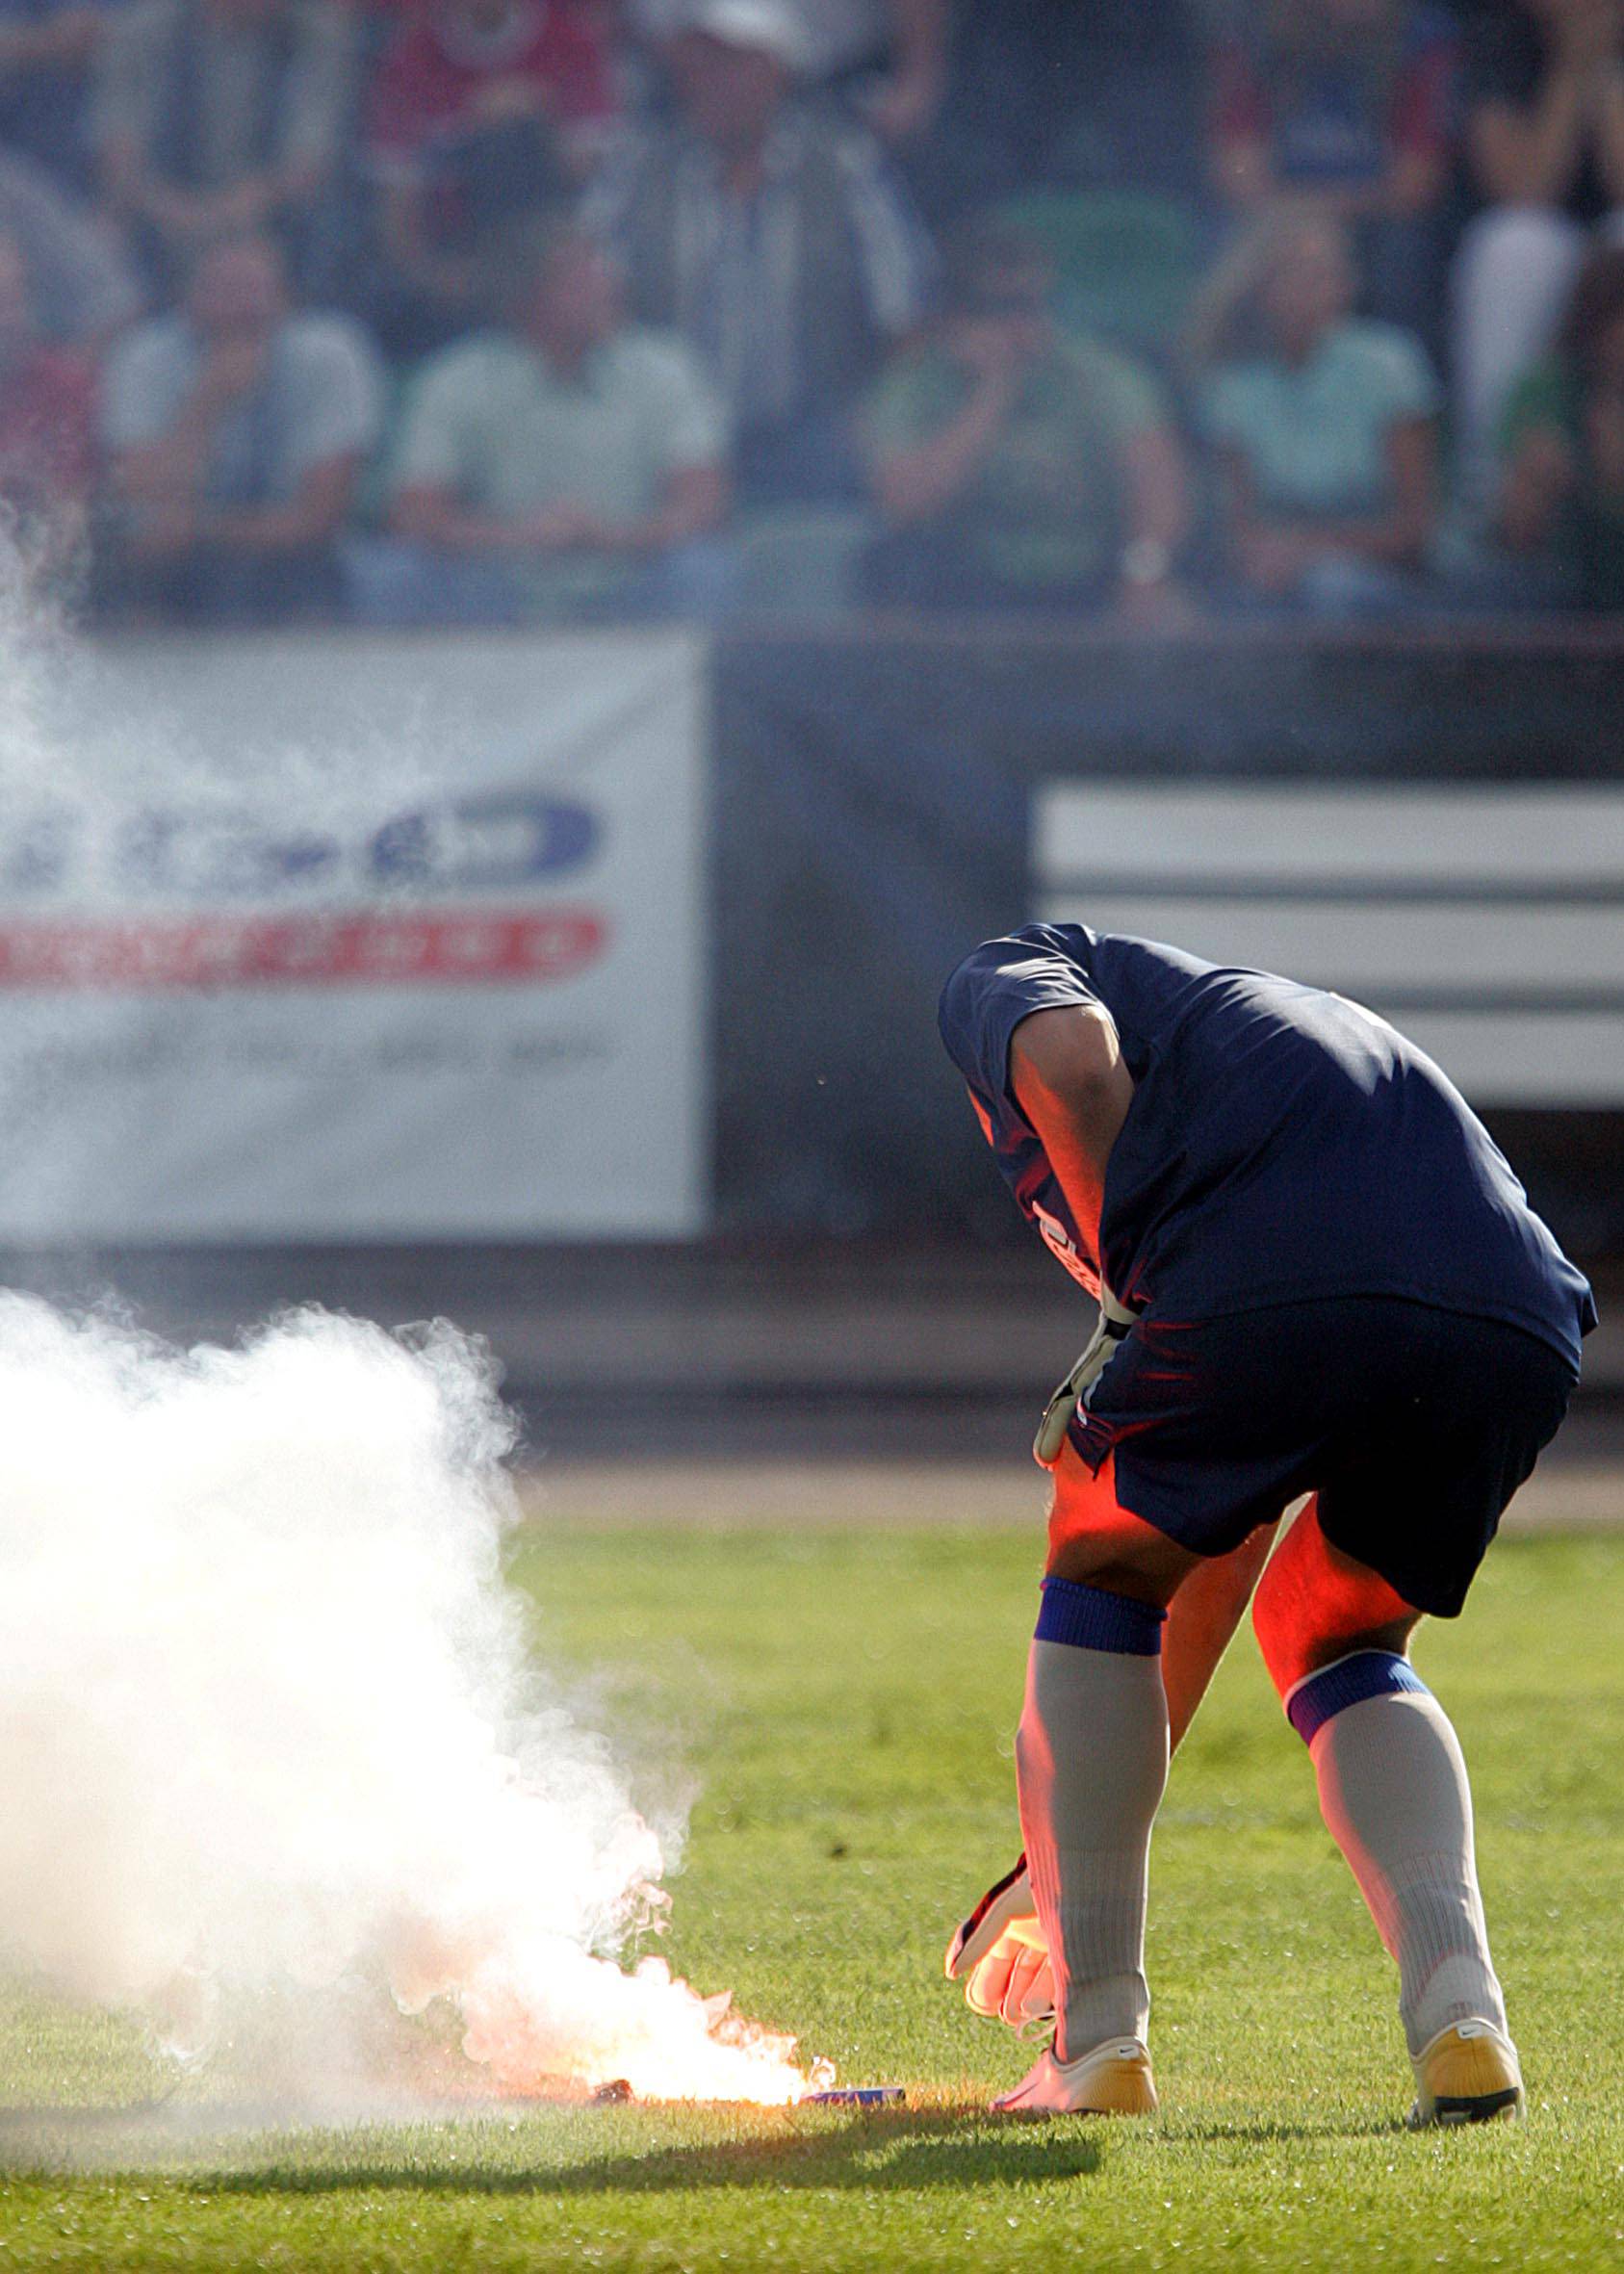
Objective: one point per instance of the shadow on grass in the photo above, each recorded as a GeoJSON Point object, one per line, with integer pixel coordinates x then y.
{"type": "Point", "coordinates": [1264, 2133]}
{"type": "Point", "coordinates": [904, 2150]}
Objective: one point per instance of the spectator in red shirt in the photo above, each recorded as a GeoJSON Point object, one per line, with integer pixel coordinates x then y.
{"type": "Point", "coordinates": [46, 427]}
{"type": "Point", "coordinates": [480, 110]}
{"type": "Point", "coordinates": [1346, 106]}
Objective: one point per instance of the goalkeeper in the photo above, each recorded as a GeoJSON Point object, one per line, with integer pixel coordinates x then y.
{"type": "Point", "coordinates": [1318, 1277]}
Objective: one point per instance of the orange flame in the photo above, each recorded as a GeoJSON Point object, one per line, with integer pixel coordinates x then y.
{"type": "Point", "coordinates": [549, 2014]}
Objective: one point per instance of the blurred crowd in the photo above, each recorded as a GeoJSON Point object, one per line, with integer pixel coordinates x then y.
{"type": "Point", "coordinates": [485, 311]}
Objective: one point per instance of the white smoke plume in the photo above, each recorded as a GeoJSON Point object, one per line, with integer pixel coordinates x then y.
{"type": "Point", "coordinates": [267, 1715]}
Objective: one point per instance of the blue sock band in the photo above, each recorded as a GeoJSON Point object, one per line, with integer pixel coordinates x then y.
{"type": "Point", "coordinates": [1091, 1620]}
{"type": "Point", "coordinates": [1367, 1673]}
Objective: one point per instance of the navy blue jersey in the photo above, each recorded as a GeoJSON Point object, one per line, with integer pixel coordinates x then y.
{"type": "Point", "coordinates": [1282, 1145]}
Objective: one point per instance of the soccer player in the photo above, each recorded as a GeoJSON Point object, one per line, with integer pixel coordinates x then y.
{"type": "Point", "coordinates": [1317, 1275]}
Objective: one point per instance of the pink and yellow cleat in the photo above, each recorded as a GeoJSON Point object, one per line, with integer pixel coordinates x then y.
{"type": "Point", "coordinates": [1469, 2074]}
{"type": "Point", "coordinates": [1114, 2080]}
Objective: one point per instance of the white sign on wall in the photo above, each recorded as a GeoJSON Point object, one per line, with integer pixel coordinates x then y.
{"type": "Point", "coordinates": [1486, 923]}
{"type": "Point", "coordinates": [320, 939]}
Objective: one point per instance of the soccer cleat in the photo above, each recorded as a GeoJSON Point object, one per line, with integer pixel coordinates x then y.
{"type": "Point", "coordinates": [1114, 2080]}
{"type": "Point", "coordinates": [1467, 2075]}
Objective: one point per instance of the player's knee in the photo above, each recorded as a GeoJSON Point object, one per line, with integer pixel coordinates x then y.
{"type": "Point", "coordinates": [1128, 1558]}
{"type": "Point", "coordinates": [1095, 1542]}
{"type": "Point", "coordinates": [1314, 1605]}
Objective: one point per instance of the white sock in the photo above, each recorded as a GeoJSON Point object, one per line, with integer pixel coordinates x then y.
{"type": "Point", "coordinates": [1393, 1793]}
{"type": "Point", "coordinates": [1090, 1763]}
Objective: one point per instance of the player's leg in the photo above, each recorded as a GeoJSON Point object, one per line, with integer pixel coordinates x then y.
{"type": "Point", "coordinates": [1001, 1952]}
{"type": "Point", "coordinates": [1394, 1793]}
{"type": "Point", "coordinates": [1210, 1604]}
{"type": "Point", "coordinates": [1090, 1763]}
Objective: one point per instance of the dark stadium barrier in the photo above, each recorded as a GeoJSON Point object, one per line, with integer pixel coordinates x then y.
{"type": "Point", "coordinates": [1433, 824]}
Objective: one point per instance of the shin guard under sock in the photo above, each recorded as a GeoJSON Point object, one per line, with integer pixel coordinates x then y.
{"type": "Point", "coordinates": [1394, 1795]}
{"type": "Point", "coordinates": [1092, 1761]}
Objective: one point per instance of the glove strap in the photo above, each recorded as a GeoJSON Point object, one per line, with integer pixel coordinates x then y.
{"type": "Point", "coordinates": [1116, 1324]}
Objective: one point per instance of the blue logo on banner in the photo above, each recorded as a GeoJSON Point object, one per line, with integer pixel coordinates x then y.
{"type": "Point", "coordinates": [504, 838]}
{"type": "Point", "coordinates": [488, 841]}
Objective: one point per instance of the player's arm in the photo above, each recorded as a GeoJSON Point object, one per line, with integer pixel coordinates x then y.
{"type": "Point", "coordinates": [1071, 1085]}
{"type": "Point", "coordinates": [1066, 1071]}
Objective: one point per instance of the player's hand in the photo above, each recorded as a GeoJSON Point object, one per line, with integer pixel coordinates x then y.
{"type": "Point", "coordinates": [1116, 1324]}
{"type": "Point", "coordinates": [1001, 1955]}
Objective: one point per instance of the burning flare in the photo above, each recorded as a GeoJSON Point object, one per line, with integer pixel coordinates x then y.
{"type": "Point", "coordinates": [267, 1715]}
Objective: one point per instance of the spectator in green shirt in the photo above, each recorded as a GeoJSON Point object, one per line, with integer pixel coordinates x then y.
{"type": "Point", "coordinates": [1015, 467]}
{"type": "Point", "coordinates": [1561, 500]}
{"type": "Point", "coordinates": [1324, 427]}
{"type": "Point", "coordinates": [560, 461]}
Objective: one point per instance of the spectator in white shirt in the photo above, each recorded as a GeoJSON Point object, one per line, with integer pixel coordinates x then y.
{"type": "Point", "coordinates": [560, 462]}
{"type": "Point", "coordinates": [236, 429]}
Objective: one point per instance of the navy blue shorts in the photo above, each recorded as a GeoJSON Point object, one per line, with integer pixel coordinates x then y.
{"type": "Point", "coordinates": [1415, 1425]}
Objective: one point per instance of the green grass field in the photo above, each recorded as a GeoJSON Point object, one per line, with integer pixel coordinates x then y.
{"type": "Point", "coordinates": [845, 1700]}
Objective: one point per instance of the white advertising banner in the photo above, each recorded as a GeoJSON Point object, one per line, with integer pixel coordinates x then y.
{"type": "Point", "coordinates": [307, 937]}
{"type": "Point", "coordinates": [1486, 921]}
